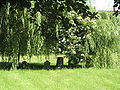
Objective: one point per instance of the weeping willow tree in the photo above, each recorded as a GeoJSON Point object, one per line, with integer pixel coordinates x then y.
{"type": "Point", "coordinates": [103, 43]}
{"type": "Point", "coordinates": [18, 27]}
{"type": "Point", "coordinates": [33, 28]}
{"type": "Point", "coordinates": [60, 26]}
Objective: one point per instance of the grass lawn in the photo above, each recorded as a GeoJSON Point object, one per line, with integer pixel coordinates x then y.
{"type": "Point", "coordinates": [66, 79]}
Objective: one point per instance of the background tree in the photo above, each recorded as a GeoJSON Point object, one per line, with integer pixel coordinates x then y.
{"type": "Point", "coordinates": [103, 42]}
{"type": "Point", "coordinates": [116, 7]}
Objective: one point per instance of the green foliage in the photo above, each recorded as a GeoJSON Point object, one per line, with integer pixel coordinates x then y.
{"type": "Point", "coordinates": [18, 31]}
{"type": "Point", "coordinates": [104, 41]}
{"type": "Point", "coordinates": [70, 27]}
{"type": "Point", "coordinates": [74, 45]}
{"type": "Point", "coordinates": [33, 28]}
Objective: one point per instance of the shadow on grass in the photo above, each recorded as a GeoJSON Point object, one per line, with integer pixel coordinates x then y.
{"type": "Point", "coordinates": [33, 66]}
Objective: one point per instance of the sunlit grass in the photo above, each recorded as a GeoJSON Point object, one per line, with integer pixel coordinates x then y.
{"type": "Point", "coordinates": [66, 79]}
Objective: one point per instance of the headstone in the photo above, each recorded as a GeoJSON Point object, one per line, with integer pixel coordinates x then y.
{"type": "Point", "coordinates": [47, 65]}
{"type": "Point", "coordinates": [59, 62]}
{"type": "Point", "coordinates": [24, 65]}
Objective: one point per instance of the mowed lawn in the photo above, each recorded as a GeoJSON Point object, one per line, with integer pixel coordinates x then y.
{"type": "Point", "coordinates": [66, 79]}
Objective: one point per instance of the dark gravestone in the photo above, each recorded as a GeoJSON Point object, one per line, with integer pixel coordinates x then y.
{"type": "Point", "coordinates": [47, 65]}
{"type": "Point", "coordinates": [24, 65]}
{"type": "Point", "coordinates": [59, 62]}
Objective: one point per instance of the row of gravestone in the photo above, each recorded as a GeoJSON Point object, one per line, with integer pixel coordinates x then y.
{"type": "Point", "coordinates": [25, 65]}
{"type": "Point", "coordinates": [47, 66]}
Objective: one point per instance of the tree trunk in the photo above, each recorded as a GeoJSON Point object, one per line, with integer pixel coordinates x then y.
{"type": "Point", "coordinates": [19, 51]}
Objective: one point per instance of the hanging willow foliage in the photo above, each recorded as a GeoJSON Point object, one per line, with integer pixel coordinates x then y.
{"type": "Point", "coordinates": [18, 35]}
{"type": "Point", "coordinates": [103, 42]}
{"type": "Point", "coordinates": [33, 28]}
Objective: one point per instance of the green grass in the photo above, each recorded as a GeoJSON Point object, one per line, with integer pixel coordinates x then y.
{"type": "Point", "coordinates": [66, 79]}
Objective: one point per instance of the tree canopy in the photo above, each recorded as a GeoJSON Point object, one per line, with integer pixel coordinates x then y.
{"type": "Point", "coordinates": [67, 27]}
{"type": "Point", "coordinates": [46, 26]}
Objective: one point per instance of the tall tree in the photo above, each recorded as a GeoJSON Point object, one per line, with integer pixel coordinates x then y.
{"type": "Point", "coordinates": [43, 26]}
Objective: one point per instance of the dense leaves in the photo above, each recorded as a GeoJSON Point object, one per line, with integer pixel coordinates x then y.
{"type": "Point", "coordinates": [38, 27]}
{"type": "Point", "coordinates": [117, 7]}
{"type": "Point", "coordinates": [104, 41]}
{"type": "Point", "coordinates": [46, 26]}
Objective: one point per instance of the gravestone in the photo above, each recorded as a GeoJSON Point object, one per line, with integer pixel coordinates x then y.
{"type": "Point", "coordinates": [24, 65]}
{"type": "Point", "coordinates": [59, 62]}
{"type": "Point", "coordinates": [47, 65]}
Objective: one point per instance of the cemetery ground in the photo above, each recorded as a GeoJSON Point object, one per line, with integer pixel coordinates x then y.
{"type": "Point", "coordinates": [59, 79]}
{"type": "Point", "coordinates": [64, 79]}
